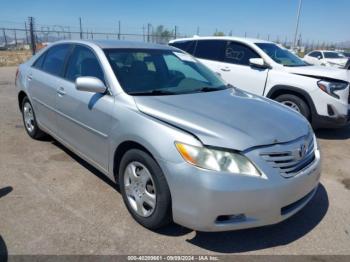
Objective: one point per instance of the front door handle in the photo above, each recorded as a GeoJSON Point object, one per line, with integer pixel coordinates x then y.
{"type": "Point", "coordinates": [226, 69]}
{"type": "Point", "coordinates": [60, 91]}
{"type": "Point", "coordinates": [29, 77]}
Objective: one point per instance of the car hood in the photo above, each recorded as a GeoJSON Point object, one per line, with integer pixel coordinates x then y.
{"type": "Point", "coordinates": [229, 118]}
{"type": "Point", "coordinates": [320, 72]}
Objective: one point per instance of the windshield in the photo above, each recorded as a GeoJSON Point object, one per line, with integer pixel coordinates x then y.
{"type": "Point", "coordinates": [280, 55]}
{"type": "Point", "coordinates": [161, 72]}
{"type": "Point", "coordinates": [333, 55]}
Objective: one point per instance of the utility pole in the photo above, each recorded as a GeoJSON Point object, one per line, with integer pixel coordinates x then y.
{"type": "Point", "coordinates": [5, 39]}
{"type": "Point", "coordinates": [25, 27]}
{"type": "Point", "coordinates": [14, 31]}
{"type": "Point", "coordinates": [175, 32]}
{"type": "Point", "coordinates": [148, 32]}
{"type": "Point", "coordinates": [119, 30]}
{"type": "Point", "coordinates": [81, 29]}
{"type": "Point", "coordinates": [297, 25]}
{"type": "Point", "coordinates": [197, 30]}
{"type": "Point", "coordinates": [32, 36]}
{"type": "Point", "coordinates": [143, 33]}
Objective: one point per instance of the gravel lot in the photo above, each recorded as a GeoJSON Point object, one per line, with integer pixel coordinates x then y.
{"type": "Point", "coordinates": [52, 202]}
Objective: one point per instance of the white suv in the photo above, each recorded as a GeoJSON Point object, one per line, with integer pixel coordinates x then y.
{"type": "Point", "coordinates": [320, 94]}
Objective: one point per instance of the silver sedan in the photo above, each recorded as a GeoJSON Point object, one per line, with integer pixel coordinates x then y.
{"type": "Point", "coordinates": [182, 144]}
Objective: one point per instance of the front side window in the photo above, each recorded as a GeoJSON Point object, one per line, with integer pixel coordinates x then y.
{"type": "Point", "coordinates": [161, 72]}
{"type": "Point", "coordinates": [317, 54]}
{"type": "Point", "coordinates": [333, 55]}
{"type": "Point", "coordinates": [240, 54]}
{"type": "Point", "coordinates": [83, 62]}
{"type": "Point", "coordinates": [55, 58]}
{"type": "Point", "coordinates": [210, 49]}
{"type": "Point", "coordinates": [281, 55]}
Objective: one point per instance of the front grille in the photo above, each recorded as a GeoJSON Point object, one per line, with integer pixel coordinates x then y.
{"type": "Point", "coordinates": [290, 162]}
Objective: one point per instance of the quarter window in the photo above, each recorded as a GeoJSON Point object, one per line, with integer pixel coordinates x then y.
{"type": "Point", "coordinates": [240, 54]}
{"type": "Point", "coordinates": [187, 46]}
{"type": "Point", "coordinates": [55, 58]}
{"type": "Point", "coordinates": [83, 62]}
{"type": "Point", "coordinates": [39, 62]}
{"type": "Point", "coordinates": [210, 49]}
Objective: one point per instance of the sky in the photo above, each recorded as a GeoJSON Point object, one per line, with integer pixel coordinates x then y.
{"type": "Point", "coordinates": [321, 20]}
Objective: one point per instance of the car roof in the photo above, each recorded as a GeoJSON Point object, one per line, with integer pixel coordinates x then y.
{"type": "Point", "coordinates": [326, 51]}
{"type": "Point", "coordinates": [110, 44]}
{"type": "Point", "coordinates": [232, 38]}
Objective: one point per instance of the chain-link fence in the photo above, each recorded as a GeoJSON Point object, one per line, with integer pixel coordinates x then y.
{"type": "Point", "coordinates": [33, 37]}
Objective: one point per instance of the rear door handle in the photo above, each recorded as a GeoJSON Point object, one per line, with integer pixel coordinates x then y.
{"type": "Point", "coordinates": [29, 77]}
{"type": "Point", "coordinates": [60, 91]}
{"type": "Point", "coordinates": [225, 69]}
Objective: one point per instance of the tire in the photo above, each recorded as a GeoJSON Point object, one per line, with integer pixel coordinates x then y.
{"type": "Point", "coordinates": [141, 167]}
{"type": "Point", "coordinates": [295, 103]}
{"type": "Point", "coordinates": [29, 120]}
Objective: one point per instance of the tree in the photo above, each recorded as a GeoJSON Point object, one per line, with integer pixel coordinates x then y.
{"type": "Point", "coordinates": [162, 34]}
{"type": "Point", "coordinates": [219, 33]}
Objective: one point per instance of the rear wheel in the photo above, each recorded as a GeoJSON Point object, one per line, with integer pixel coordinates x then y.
{"type": "Point", "coordinates": [29, 120]}
{"type": "Point", "coordinates": [144, 189]}
{"type": "Point", "coordinates": [295, 103]}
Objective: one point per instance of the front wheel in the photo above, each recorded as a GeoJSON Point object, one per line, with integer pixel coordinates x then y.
{"type": "Point", "coordinates": [144, 189]}
{"type": "Point", "coordinates": [295, 103]}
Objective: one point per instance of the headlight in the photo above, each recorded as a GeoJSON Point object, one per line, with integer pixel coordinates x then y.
{"type": "Point", "coordinates": [331, 87]}
{"type": "Point", "coordinates": [217, 160]}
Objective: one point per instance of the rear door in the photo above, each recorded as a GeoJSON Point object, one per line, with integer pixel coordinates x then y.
{"type": "Point", "coordinates": [210, 53]}
{"type": "Point", "coordinates": [43, 82]}
{"type": "Point", "coordinates": [84, 119]}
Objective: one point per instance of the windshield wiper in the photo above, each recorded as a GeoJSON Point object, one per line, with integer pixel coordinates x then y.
{"type": "Point", "coordinates": [210, 89]}
{"type": "Point", "coordinates": [155, 92]}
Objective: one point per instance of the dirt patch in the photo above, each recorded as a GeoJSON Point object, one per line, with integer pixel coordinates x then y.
{"type": "Point", "coordinates": [60, 157]}
{"type": "Point", "coordinates": [14, 57]}
{"type": "Point", "coordinates": [346, 183]}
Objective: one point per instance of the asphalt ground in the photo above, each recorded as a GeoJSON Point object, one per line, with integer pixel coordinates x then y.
{"type": "Point", "coordinates": [52, 202]}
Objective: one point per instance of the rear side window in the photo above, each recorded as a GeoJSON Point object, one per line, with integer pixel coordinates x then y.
{"type": "Point", "coordinates": [210, 49]}
{"type": "Point", "coordinates": [55, 58]}
{"type": "Point", "coordinates": [187, 46]}
{"type": "Point", "coordinates": [236, 53]}
{"type": "Point", "coordinates": [83, 62]}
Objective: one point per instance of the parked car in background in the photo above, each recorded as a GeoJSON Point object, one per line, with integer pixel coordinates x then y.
{"type": "Point", "coordinates": [346, 54]}
{"type": "Point", "coordinates": [320, 94]}
{"type": "Point", "coordinates": [182, 144]}
{"type": "Point", "coordinates": [326, 58]}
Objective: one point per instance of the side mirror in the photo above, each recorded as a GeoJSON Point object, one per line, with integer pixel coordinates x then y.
{"type": "Point", "coordinates": [258, 62]}
{"type": "Point", "coordinates": [319, 57]}
{"type": "Point", "coordinates": [90, 84]}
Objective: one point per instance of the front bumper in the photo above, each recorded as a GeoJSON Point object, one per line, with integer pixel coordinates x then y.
{"type": "Point", "coordinates": [201, 198]}
{"type": "Point", "coordinates": [337, 121]}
